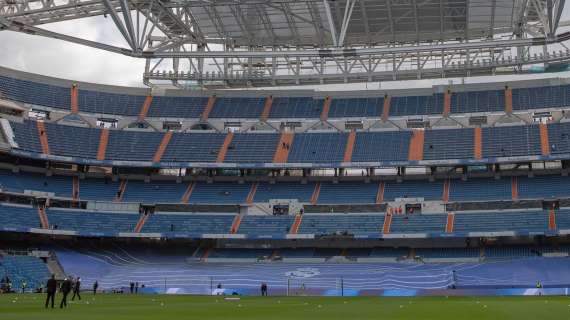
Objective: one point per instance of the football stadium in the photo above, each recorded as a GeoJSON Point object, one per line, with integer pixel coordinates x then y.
{"type": "Point", "coordinates": [286, 159]}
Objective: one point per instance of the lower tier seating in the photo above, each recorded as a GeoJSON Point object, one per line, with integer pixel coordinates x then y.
{"type": "Point", "coordinates": [24, 269]}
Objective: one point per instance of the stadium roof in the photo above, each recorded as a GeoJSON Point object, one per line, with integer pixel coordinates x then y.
{"type": "Point", "coordinates": [290, 42]}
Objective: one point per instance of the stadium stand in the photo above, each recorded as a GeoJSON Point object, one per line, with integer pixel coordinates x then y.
{"type": "Point", "coordinates": [24, 269]}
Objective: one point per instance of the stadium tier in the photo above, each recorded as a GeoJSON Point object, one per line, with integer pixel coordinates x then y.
{"type": "Point", "coordinates": [320, 192]}
{"type": "Point", "coordinates": [19, 218]}
{"type": "Point", "coordinates": [466, 101]}
{"type": "Point", "coordinates": [443, 146]}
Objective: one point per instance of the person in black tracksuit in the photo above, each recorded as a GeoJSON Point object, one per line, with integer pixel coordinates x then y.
{"type": "Point", "coordinates": [65, 289]}
{"type": "Point", "coordinates": [76, 289]}
{"type": "Point", "coordinates": [51, 288]}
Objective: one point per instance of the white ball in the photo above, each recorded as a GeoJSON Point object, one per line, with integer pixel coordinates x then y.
{"type": "Point", "coordinates": [320, 306]}
{"type": "Point", "coordinates": [485, 306]}
{"type": "Point", "coordinates": [239, 305]}
{"type": "Point", "coordinates": [162, 304]}
{"type": "Point", "coordinates": [401, 306]}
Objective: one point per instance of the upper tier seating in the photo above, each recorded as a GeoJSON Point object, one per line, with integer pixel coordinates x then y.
{"type": "Point", "coordinates": [541, 97]}
{"type": "Point", "coordinates": [356, 108]}
{"type": "Point", "coordinates": [416, 105]}
{"type": "Point", "coordinates": [250, 108]}
{"type": "Point", "coordinates": [478, 101]}
{"type": "Point", "coordinates": [295, 107]}
{"type": "Point", "coordinates": [109, 103]}
{"type": "Point", "coordinates": [99, 102]}
{"type": "Point", "coordinates": [35, 93]}
{"type": "Point", "coordinates": [177, 107]}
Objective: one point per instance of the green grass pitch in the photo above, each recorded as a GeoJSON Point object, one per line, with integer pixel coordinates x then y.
{"type": "Point", "coordinates": [141, 307]}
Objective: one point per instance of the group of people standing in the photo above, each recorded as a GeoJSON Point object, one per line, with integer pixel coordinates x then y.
{"type": "Point", "coordinates": [67, 286]}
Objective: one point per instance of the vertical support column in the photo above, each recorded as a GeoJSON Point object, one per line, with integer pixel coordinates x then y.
{"type": "Point", "coordinates": [121, 192]}
{"type": "Point", "coordinates": [349, 146]}
{"type": "Point", "coordinates": [551, 220]}
{"type": "Point", "coordinates": [446, 186]}
{"type": "Point", "coordinates": [145, 107]}
{"type": "Point", "coordinates": [141, 222]}
{"type": "Point", "coordinates": [43, 136]}
{"type": "Point", "coordinates": [326, 109]}
{"type": "Point", "coordinates": [478, 143]}
{"type": "Point", "coordinates": [251, 194]}
{"type": "Point", "coordinates": [447, 103]}
{"type": "Point", "coordinates": [75, 189]}
{"type": "Point", "coordinates": [74, 99]}
{"type": "Point", "coordinates": [387, 223]}
{"type": "Point", "coordinates": [283, 148]}
{"type": "Point", "coordinates": [162, 147]}
{"type": "Point", "coordinates": [103, 141]}
{"type": "Point", "coordinates": [508, 100]}
{"type": "Point", "coordinates": [224, 147]}
{"type": "Point", "coordinates": [296, 224]}
{"type": "Point", "coordinates": [450, 222]}
{"type": "Point", "coordinates": [416, 150]}
{"type": "Point", "coordinates": [380, 193]}
{"type": "Point", "coordinates": [514, 188]}
{"type": "Point", "coordinates": [544, 141]}
{"type": "Point", "coordinates": [43, 217]}
{"type": "Point", "coordinates": [208, 109]}
{"type": "Point", "coordinates": [235, 224]}
{"type": "Point", "coordinates": [316, 192]}
{"type": "Point", "coordinates": [266, 108]}
{"type": "Point", "coordinates": [187, 193]}
{"type": "Point", "coordinates": [386, 107]}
